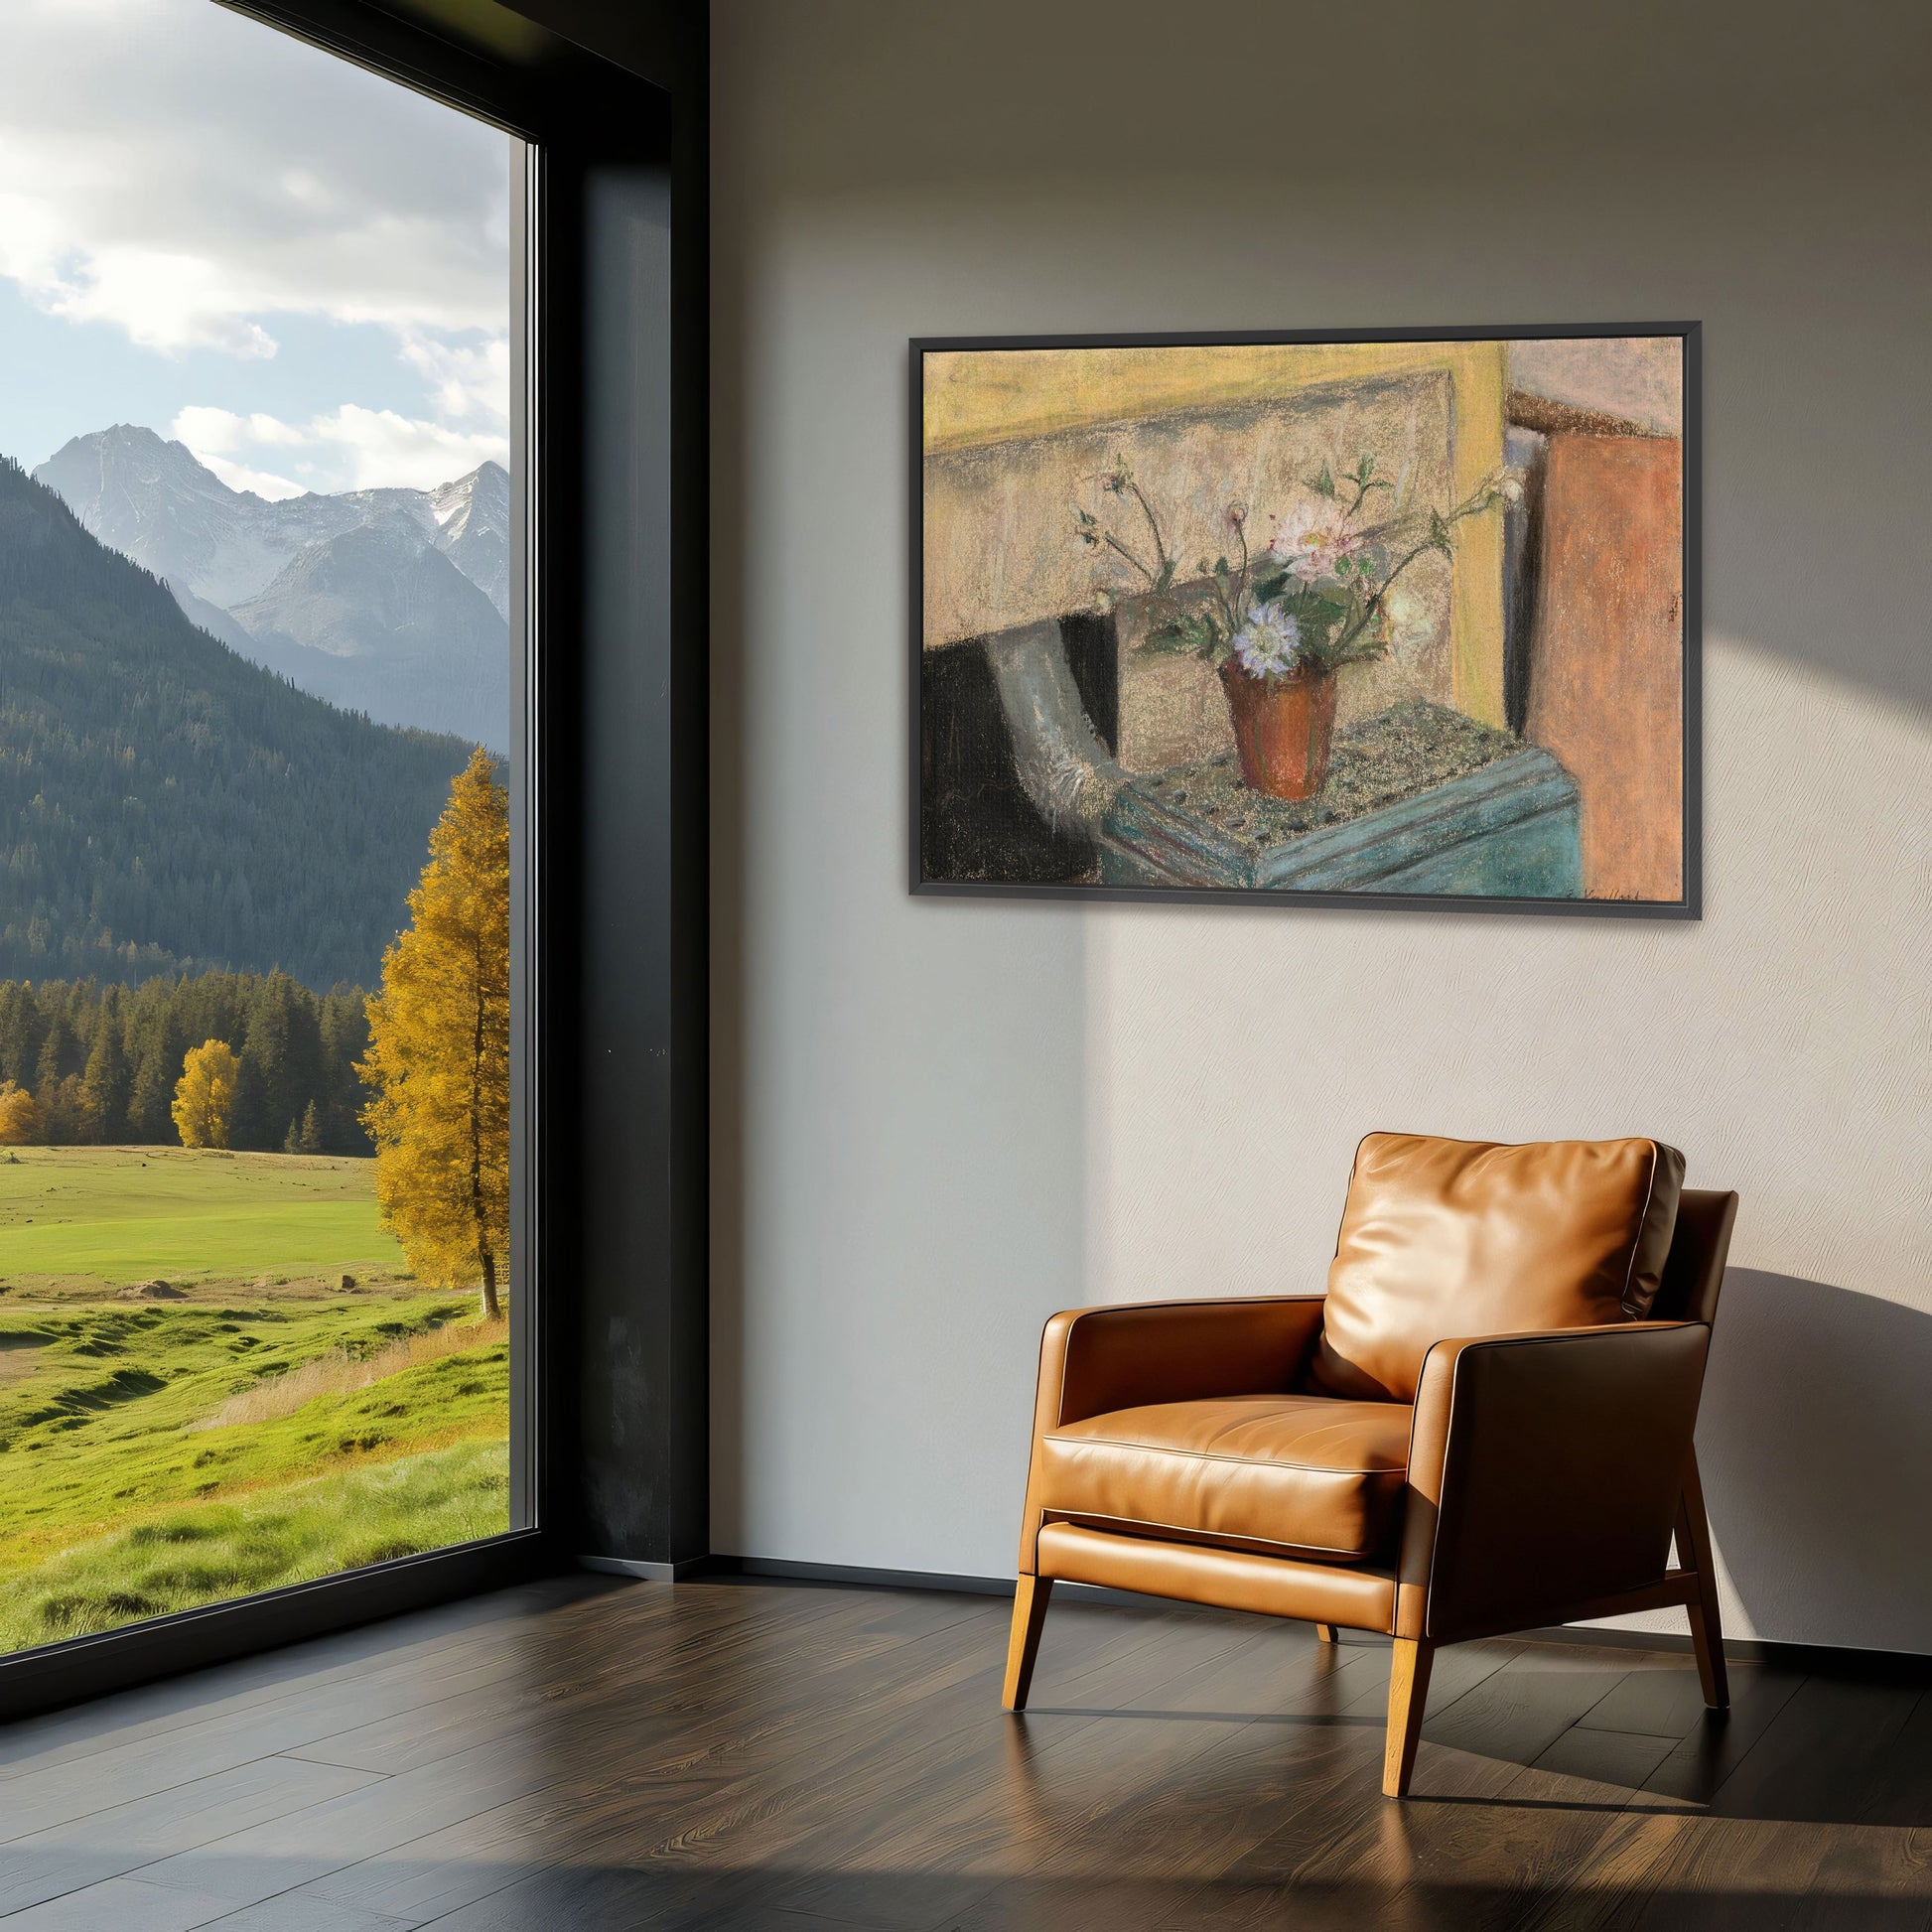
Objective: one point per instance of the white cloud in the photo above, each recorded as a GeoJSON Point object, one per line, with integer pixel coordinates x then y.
{"type": "Point", "coordinates": [223, 174]}
{"type": "Point", "coordinates": [202, 428]}
{"type": "Point", "coordinates": [264, 482]}
{"type": "Point", "coordinates": [197, 180]}
{"type": "Point", "coordinates": [347, 448]}
{"type": "Point", "coordinates": [466, 379]}
{"type": "Point", "coordinates": [388, 448]}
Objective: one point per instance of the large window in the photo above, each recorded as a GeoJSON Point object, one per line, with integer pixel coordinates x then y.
{"type": "Point", "coordinates": [261, 638]}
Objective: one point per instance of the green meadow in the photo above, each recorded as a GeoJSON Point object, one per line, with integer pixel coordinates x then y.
{"type": "Point", "coordinates": [103, 1217]}
{"type": "Point", "coordinates": [289, 1404]}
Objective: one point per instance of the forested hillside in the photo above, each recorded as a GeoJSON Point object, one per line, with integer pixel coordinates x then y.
{"type": "Point", "coordinates": [100, 1061]}
{"type": "Point", "coordinates": [166, 806]}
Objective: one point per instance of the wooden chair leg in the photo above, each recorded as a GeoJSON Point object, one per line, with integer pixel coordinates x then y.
{"type": "Point", "coordinates": [1694, 1551]}
{"type": "Point", "coordinates": [1022, 1644]}
{"type": "Point", "coordinates": [1324, 1634]}
{"type": "Point", "coordinates": [1408, 1693]}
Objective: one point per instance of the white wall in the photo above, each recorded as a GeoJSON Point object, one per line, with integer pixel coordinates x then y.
{"type": "Point", "coordinates": [939, 1121]}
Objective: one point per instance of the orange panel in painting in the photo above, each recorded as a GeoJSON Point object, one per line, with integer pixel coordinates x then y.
{"type": "Point", "coordinates": [1606, 686]}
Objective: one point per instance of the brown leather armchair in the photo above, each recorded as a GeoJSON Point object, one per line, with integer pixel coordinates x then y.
{"type": "Point", "coordinates": [1485, 1425]}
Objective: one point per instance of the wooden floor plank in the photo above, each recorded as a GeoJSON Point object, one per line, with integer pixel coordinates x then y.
{"type": "Point", "coordinates": [1901, 1777]}
{"type": "Point", "coordinates": [758, 1756]}
{"type": "Point", "coordinates": [122, 1905]}
{"type": "Point", "coordinates": [581, 1678]}
{"type": "Point", "coordinates": [651, 1746]}
{"type": "Point", "coordinates": [125, 1838]}
{"type": "Point", "coordinates": [773, 1834]}
{"type": "Point", "coordinates": [1615, 1763]}
{"type": "Point", "coordinates": [1719, 1742]}
{"type": "Point", "coordinates": [1008, 1793]}
{"type": "Point", "coordinates": [293, 1913]}
{"type": "Point", "coordinates": [154, 1765]}
{"type": "Point", "coordinates": [1660, 1697]}
{"type": "Point", "coordinates": [489, 1852]}
{"type": "Point", "coordinates": [31, 1745]}
{"type": "Point", "coordinates": [1818, 1760]}
{"type": "Point", "coordinates": [318, 1698]}
{"type": "Point", "coordinates": [1485, 1834]}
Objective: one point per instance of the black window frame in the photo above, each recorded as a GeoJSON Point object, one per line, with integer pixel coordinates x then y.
{"type": "Point", "coordinates": [609, 1444]}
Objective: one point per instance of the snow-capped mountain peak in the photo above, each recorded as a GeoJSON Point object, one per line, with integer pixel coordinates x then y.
{"type": "Point", "coordinates": [155, 502]}
{"type": "Point", "coordinates": [330, 590]}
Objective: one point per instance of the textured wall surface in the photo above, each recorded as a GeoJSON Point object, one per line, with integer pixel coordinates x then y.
{"type": "Point", "coordinates": [938, 1122]}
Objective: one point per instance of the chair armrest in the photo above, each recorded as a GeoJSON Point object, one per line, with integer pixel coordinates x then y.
{"type": "Point", "coordinates": [1544, 1471]}
{"type": "Point", "coordinates": [1093, 1362]}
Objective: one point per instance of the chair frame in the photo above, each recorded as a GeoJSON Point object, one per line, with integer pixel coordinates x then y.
{"type": "Point", "coordinates": [1454, 1490]}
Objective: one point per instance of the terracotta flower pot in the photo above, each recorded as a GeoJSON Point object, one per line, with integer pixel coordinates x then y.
{"type": "Point", "coordinates": [1283, 727]}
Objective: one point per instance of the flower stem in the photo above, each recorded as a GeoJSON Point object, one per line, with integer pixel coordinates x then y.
{"type": "Point", "coordinates": [1114, 543]}
{"type": "Point", "coordinates": [1160, 544]}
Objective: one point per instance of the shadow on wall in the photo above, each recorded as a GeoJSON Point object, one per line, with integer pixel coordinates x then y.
{"type": "Point", "coordinates": [1816, 1440]}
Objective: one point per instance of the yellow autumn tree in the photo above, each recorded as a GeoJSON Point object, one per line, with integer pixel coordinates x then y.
{"type": "Point", "coordinates": [439, 1058]}
{"type": "Point", "coordinates": [20, 1116]}
{"type": "Point", "coordinates": [204, 1094]}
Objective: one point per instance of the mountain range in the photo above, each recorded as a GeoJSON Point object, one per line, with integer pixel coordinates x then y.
{"type": "Point", "coordinates": [167, 807]}
{"type": "Point", "coordinates": [390, 602]}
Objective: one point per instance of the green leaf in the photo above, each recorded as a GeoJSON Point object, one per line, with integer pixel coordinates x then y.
{"type": "Point", "coordinates": [1187, 630]}
{"type": "Point", "coordinates": [1324, 483]}
{"type": "Point", "coordinates": [1267, 587]}
{"type": "Point", "coordinates": [1359, 652]}
{"type": "Point", "coordinates": [1315, 614]}
{"type": "Point", "coordinates": [1164, 579]}
{"type": "Point", "coordinates": [1438, 534]}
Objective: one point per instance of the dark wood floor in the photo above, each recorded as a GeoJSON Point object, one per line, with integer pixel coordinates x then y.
{"type": "Point", "coordinates": [583, 1755]}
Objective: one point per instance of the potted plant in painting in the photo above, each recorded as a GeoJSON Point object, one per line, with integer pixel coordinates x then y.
{"type": "Point", "coordinates": [1277, 624]}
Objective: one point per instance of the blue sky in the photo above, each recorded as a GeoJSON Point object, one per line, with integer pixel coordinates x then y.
{"type": "Point", "coordinates": [298, 269]}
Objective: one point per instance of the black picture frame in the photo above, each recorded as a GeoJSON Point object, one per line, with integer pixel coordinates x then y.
{"type": "Point", "coordinates": [1689, 906]}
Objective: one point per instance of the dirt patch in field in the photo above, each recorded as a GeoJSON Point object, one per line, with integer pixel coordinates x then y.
{"type": "Point", "coordinates": [18, 1357]}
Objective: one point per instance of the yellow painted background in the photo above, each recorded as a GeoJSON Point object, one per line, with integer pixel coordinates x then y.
{"type": "Point", "coordinates": [977, 399]}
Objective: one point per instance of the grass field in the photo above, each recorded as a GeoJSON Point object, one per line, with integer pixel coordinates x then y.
{"type": "Point", "coordinates": [108, 1216]}
{"type": "Point", "coordinates": [263, 1425]}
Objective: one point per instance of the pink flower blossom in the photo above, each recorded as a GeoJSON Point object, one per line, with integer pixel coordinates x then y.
{"type": "Point", "coordinates": [1312, 538]}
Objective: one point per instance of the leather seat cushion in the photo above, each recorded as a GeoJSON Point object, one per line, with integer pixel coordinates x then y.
{"type": "Point", "coordinates": [1290, 1473]}
{"type": "Point", "coordinates": [1444, 1239]}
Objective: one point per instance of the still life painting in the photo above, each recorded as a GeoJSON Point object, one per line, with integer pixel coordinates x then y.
{"type": "Point", "coordinates": [1371, 619]}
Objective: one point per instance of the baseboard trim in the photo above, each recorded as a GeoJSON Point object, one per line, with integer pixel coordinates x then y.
{"type": "Point", "coordinates": [650, 1572]}
{"type": "Point", "coordinates": [1824, 1660]}
{"type": "Point", "coordinates": [81, 1668]}
{"type": "Point", "coordinates": [781, 1570]}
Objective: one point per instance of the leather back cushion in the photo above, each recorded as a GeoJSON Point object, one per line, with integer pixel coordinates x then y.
{"type": "Point", "coordinates": [1451, 1238]}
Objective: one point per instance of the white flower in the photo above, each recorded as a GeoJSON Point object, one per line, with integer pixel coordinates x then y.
{"type": "Point", "coordinates": [1509, 485]}
{"type": "Point", "coordinates": [1312, 538]}
{"type": "Point", "coordinates": [1407, 614]}
{"type": "Point", "coordinates": [1269, 643]}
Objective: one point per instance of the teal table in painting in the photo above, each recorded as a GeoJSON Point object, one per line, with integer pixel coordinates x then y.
{"type": "Point", "coordinates": [1419, 800]}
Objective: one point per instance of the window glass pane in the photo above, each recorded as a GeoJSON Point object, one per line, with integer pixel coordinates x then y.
{"type": "Point", "coordinates": [256, 674]}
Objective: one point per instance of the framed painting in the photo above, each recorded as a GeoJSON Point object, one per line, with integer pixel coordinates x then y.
{"type": "Point", "coordinates": [1387, 618]}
